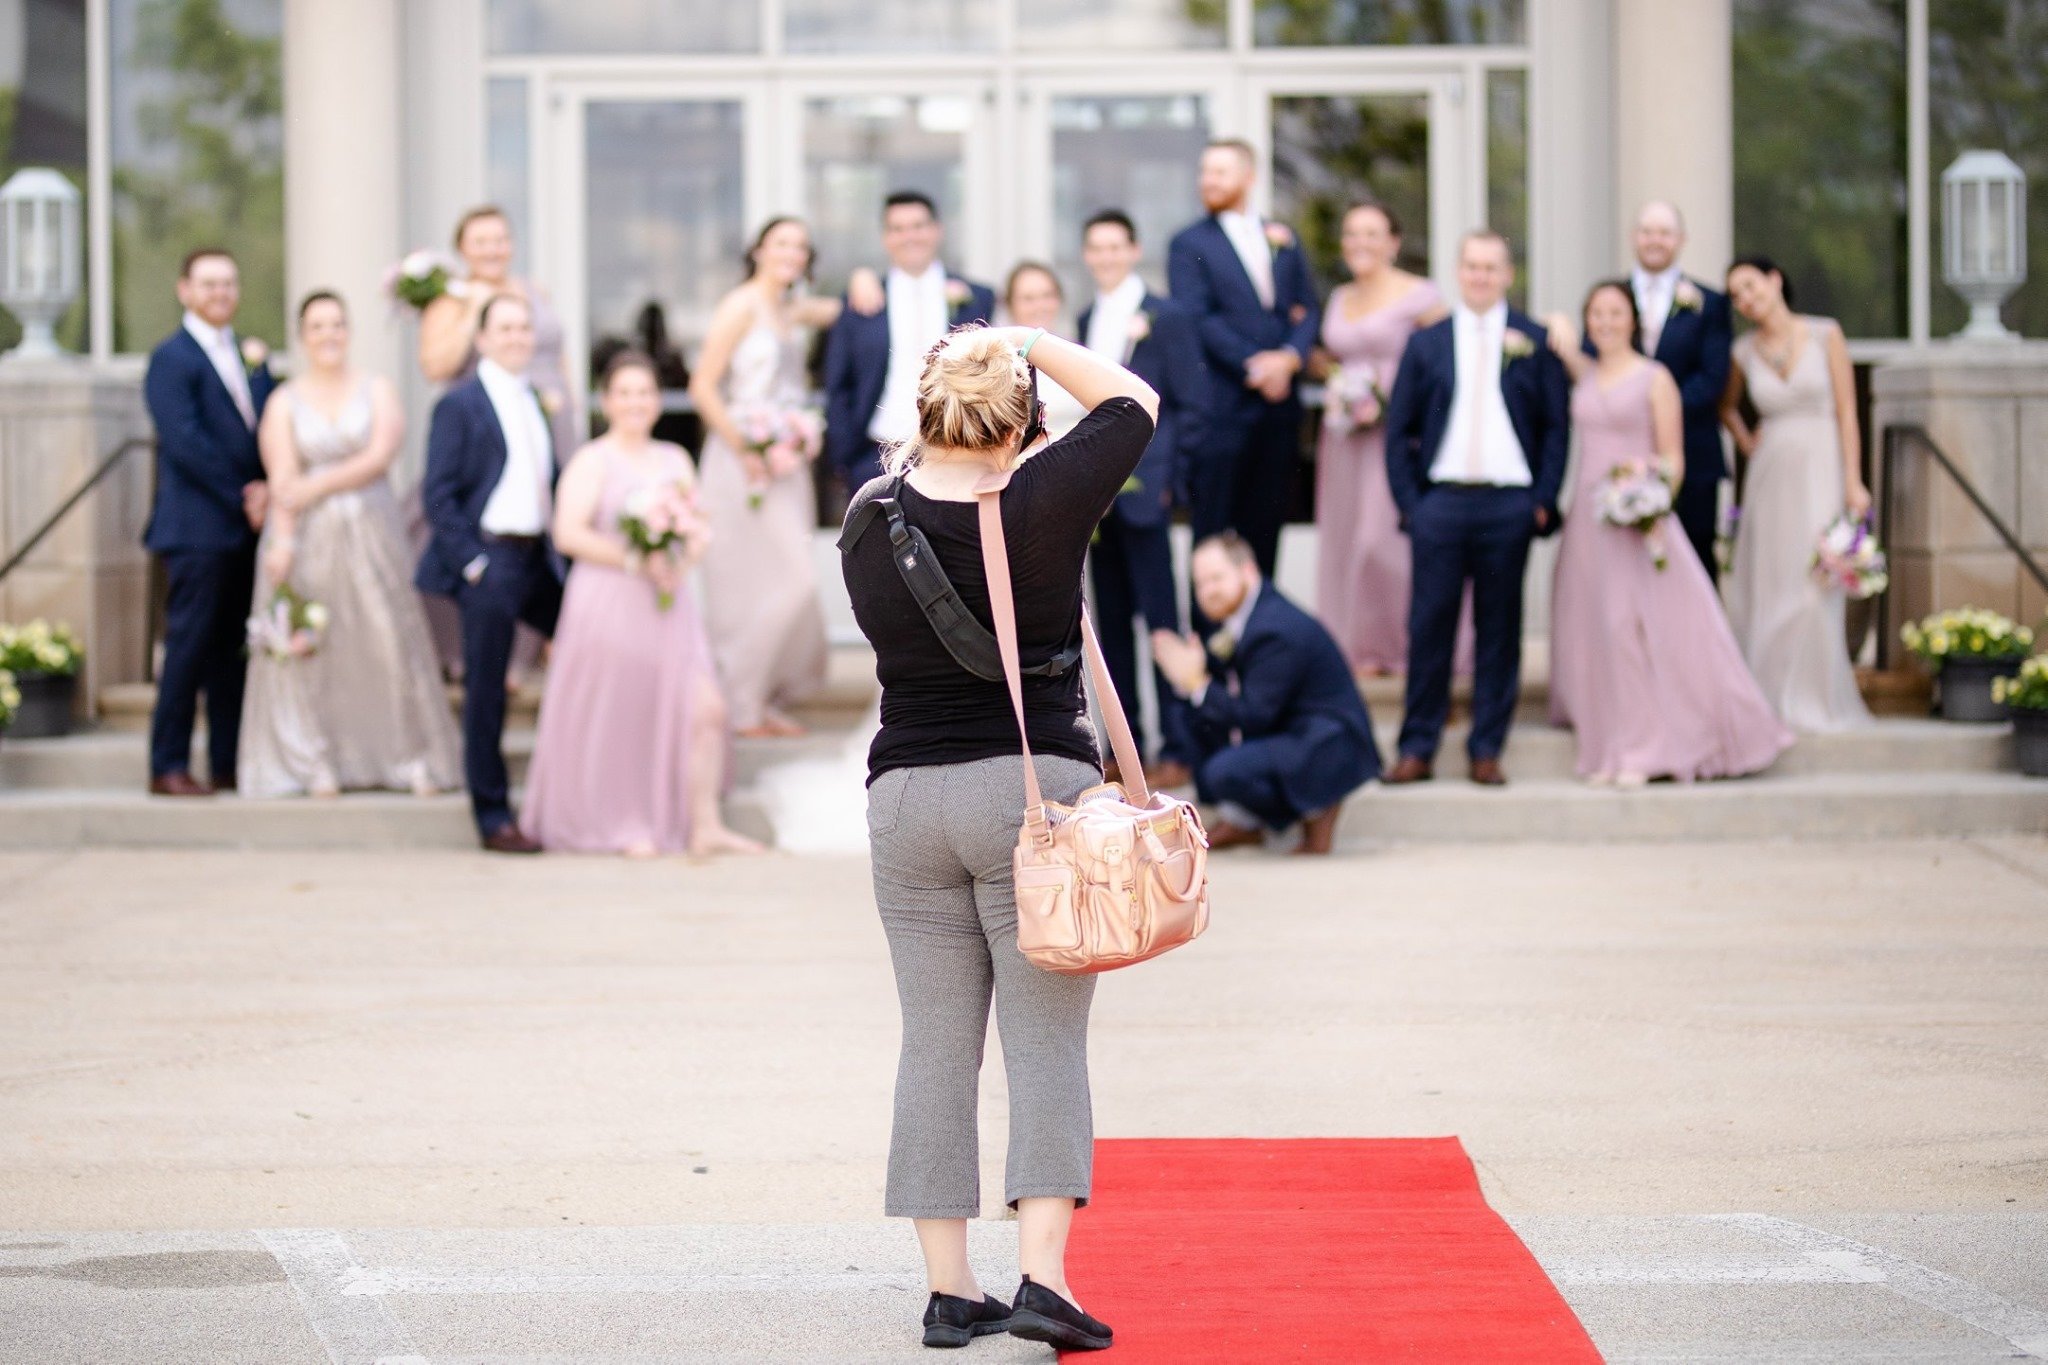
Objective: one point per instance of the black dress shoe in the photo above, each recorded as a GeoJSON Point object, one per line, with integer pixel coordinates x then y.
{"type": "Point", "coordinates": [953, 1321]}
{"type": "Point", "coordinates": [1041, 1315]}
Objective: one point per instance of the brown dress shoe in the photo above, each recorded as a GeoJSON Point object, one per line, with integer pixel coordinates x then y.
{"type": "Point", "coordinates": [1168, 773]}
{"type": "Point", "coordinates": [1487, 772]}
{"type": "Point", "coordinates": [1409, 769]}
{"type": "Point", "coordinates": [178, 784]}
{"type": "Point", "coordinates": [1319, 832]}
{"type": "Point", "coordinates": [509, 840]}
{"type": "Point", "coordinates": [226, 784]}
{"type": "Point", "coordinates": [1223, 834]}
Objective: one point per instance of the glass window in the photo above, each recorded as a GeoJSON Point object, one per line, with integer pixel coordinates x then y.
{"type": "Point", "coordinates": [1507, 169]}
{"type": "Point", "coordinates": [858, 150]}
{"type": "Point", "coordinates": [895, 26]}
{"type": "Point", "coordinates": [198, 156]}
{"type": "Point", "coordinates": [505, 153]}
{"type": "Point", "coordinates": [1346, 23]}
{"type": "Point", "coordinates": [42, 116]}
{"type": "Point", "coordinates": [1092, 26]}
{"type": "Point", "coordinates": [1831, 209]}
{"type": "Point", "coordinates": [663, 214]}
{"type": "Point", "coordinates": [1988, 87]}
{"type": "Point", "coordinates": [1137, 153]}
{"type": "Point", "coordinates": [1329, 151]}
{"type": "Point", "coordinates": [623, 26]}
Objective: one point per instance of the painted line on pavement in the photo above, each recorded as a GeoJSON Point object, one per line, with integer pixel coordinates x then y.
{"type": "Point", "coordinates": [1571, 1270]}
{"type": "Point", "coordinates": [362, 1283]}
{"type": "Point", "coordinates": [355, 1330]}
{"type": "Point", "coordinates": [2026, 1328]}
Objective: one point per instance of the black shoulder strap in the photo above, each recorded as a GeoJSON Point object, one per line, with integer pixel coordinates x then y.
{"type": "Point", "coordinates": [971, 644]}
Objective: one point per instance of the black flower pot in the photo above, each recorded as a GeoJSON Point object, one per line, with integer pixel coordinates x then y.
{"type": "Point", "coordinates": [47, 702]}
{"type": "Point", "coordinates": [1966, 688]}
{"type": "Point", "coordinates": [2030, 739]}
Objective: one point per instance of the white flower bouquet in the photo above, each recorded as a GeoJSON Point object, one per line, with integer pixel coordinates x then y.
{"type": "Point", "coordinates": [1353, 399]}
{"type": "Point", "coordinates": [1637, 497]}
{"type": "Point", "coordinates": [423, 276]}
{"type": "Point", "coordinates": [291, 627]}
{"type": "Point", "coordinates": [1848, 559]}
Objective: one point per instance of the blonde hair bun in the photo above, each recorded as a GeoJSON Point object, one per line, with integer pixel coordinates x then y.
{"type": "Point", "coordinates": [974, 394]}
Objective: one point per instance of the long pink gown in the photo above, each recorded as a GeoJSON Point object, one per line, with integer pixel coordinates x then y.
{"type": "Point", "coordinates": [1642, 663]}
{"type": "Point", "coordinates": [1363, 567]}
{"type": "Point", "coordinates": [611, 759]}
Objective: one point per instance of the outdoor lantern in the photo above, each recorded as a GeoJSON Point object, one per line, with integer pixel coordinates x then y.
{"type": "Point", "coordinates": [40, 245]}
{"type": "Point", "coordinates": [1984, 237]}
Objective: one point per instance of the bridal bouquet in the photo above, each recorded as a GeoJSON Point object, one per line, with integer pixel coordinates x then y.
{"type": "Point", "coordinates": [1353, 399]}
{"type": "Point", "coordinates": [657, 519]}
{"type": "Point", "coordinates": [1637, 496]}
{"type": "Point", "coordinates": [1849, 560]}
{"type": "Point", "coordinates": [291, 627]}
{"type": "Point", "coordinates": [781, 440]}
{"type": "Point", "coordinates": [423, 276]}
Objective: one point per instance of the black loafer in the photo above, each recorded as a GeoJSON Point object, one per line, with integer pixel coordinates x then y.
{"type": "Point", "coordinates": [953, 1321]}
{"type": "Point", "coordinates": [1041, 1315]}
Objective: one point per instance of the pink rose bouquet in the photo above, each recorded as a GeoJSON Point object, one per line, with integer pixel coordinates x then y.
{"type": "Point", "coordinates": [291, 627]}
{"type": "Point", "coordinates": [1637, 496]}
{"type": "Point", "coordinates": [1848, 560]}
{"type": "Point", "coordinates": [658, 519]}
{"type": "Point", "coordinates": [781, 440]}
{"type": "Point", "coordinates": [1353, 399]}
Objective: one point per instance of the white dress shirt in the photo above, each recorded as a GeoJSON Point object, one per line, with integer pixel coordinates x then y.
{"type": "Point", "coordinates": [1248, 235]}
{"type": "Point", "coordinates": [226, 354]}
{"type": "Point", "coordinates": [1109, 325]}
{"type": "Point", "coordinates": [917, 318]}
{"type": "Point", "coordinates": [1480, 445]}
{"type": "Point", "coordinates": [521, 503]}
{"type": "Point", "coordinates": [1654, 296]}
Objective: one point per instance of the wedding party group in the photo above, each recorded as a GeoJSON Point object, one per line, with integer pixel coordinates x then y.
{"type": "Point", "coordinates": [320, 616]}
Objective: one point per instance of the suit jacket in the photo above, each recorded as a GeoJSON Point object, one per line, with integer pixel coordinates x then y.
{"type": "Point", "coordinates": [1206, 277]}
{"type": "Point", "coordinates": [1694, 346]}
{"type": "Point", "coordinates": [1169, 358]}
{"type": "Point", "coordinates": [857, 365]}
{"type": "Point", "coordinates": [205, 453]}
{"type": "Point", "coordinates": [1293, 682]}
{"type": "Point", "coordinates": [1534, 387]}
{"type": "Point", "coordinates": [465, 459]}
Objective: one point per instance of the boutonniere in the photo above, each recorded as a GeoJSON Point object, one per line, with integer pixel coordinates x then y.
{"type": "Point", "coordinates": [1140, 327]}
{"type": "Point", "coordinates": [1222, 645]}
{"type": "Point", "coordinates": [255, 355]}
{"type": "Point", "coordinates": [1279, 236]}
{"type": "Point", "coordinates": [1687, 298]}
{"type": "Point", "coordinates": [1516, 345]}
{"type": "Point", "coordinates": [549, 404]}
{"type": "Point", "coordinates": [958, 294]}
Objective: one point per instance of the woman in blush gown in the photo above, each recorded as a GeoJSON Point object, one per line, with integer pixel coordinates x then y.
{"type": "Point", "coordinates": [1642, 664]}
{"type": "Point", "coordinates": [1362, 558]}
{"type": "Point", "coordinates": [631, 752]}
{"type": "Point", "coordinates": [761, 601]}
{"type": "Point", "coordinates": [1801, 470]}
{"type": "Point", "coordinates": [368, 708]}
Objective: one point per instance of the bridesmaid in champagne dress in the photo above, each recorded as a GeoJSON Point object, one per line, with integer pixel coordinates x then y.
{"type": "Point", "coordinates": [1801, 470]}
{"type": "Point", "coordinates": [631, 752]}
{"type": "Point", "coordinates": [367, 709]}
{"type": "Point", "coordinates": [1362, 558]}
{"type": "Point", "coordinates": [762, 607]}
{"type": "Point", "coordinates": [1642, 664]}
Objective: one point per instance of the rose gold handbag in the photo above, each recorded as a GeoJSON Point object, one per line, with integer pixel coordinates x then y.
{"type": "Point", "coordinates": [1119, 876]}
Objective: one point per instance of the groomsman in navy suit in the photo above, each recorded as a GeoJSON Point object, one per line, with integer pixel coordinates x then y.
{"type": "Point", "coordinates": [1477, 426]}
{"type": "Point", "coordinates": [872, 361]}
{"type": "Point", "coordinates": [1687, 328]}
{"type": "Point", "coordinates": [489, 495]}
{"type": "Point", "coordinates": [1131, 564]}
{"type": "Point", "coordinates": [1280, 731]}
{"type": "Point", "coordinates": [1246, 281]}
{"type": "Point", "coordinates": [205, 398]}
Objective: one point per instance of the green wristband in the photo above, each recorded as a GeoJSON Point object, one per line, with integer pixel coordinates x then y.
{"type": "Point", "coordinates": [1025, 354]}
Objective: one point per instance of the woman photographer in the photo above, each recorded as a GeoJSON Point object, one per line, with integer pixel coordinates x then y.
{"type": "Point", "coordinates": [945, 803]}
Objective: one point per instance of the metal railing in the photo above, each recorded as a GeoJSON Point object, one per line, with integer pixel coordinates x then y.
{"type": "Point", "coordinates": [106, 467]}
{"type": "Point", "coordinates": [1895, 438]}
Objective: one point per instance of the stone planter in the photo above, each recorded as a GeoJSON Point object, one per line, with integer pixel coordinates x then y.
{"type": "Point", "coordinates": [2030, 739]}
{"type": "Point", "coordinates": [1966, 688]}
{"type": "Point", "coordinates": [47, 705]}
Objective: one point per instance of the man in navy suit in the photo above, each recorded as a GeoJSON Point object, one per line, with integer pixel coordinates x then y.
{"type": "Point", "coordinates": [1131, 564]}
{"type": "Point", "coordinates": [1687, 328]}
{"type": "Point", "coordinates": [489, 495]}
{"type": "Point", "coordinates": [872, 361]}
{"type": "Point", "coordinates": [1281, 732]}
{"type": "Point", "coordinates": [1247, 283]}
{"type": "Point", "coordinates": [1477, 426]}
{"type": "Point", "coordinates": [205, 398]}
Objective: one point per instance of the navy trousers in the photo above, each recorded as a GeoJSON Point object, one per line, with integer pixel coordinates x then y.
{"type": "Point", "coordinates": [1249, 775]}
{"type": "Point", "coordinates": [517, 585]}
{"type": "Point", "coordinates": [1131, 568]}
{"type": "Point", "coordinates": [1698, 508]}
{"type": "Point", "coordinates": [1466, 535]}
{"type": "Point", "coordinates": [1245, 479]}
{"type": "Point", "coordinates": [205, 650]}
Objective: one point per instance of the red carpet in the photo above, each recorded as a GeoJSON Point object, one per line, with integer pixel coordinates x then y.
{"type": "Point", "coordinates": [1325, 1249]}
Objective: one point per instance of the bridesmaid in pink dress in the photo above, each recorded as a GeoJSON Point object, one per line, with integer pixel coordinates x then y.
{"type": "Point", "coordinates": [1642, 663]}
{"type": "Point", "coordinates": [632, 747]}
{"type": "Point", "coordinates": [1362, 564]}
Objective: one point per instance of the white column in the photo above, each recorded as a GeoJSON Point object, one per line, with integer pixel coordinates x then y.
{"type": "Point", "coordinates": [343, 171]}
{"type": "Point", "coordinates": [1674, 121]}
{"type": "Point", "coordinates": [1571, 151]}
